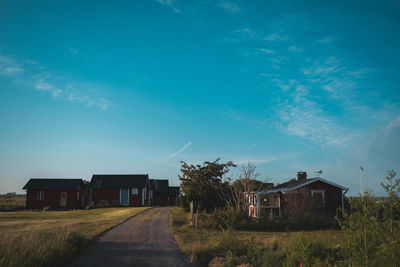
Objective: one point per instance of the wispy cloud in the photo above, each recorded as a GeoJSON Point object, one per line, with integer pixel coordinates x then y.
{"type": "Point", "coordinates": [43, 86]}
{"type": "Point", "coordinates": [275, 37]}
{"type": "Point", "coordinates": [165, 2]}
{"type": "Point", "coordinates": [229, 7]}
{"type": "Point", "coordinates": [267, 51]}
{"type": "Point", "coordinates": [8, 66]}
{"type": "Point", "coordinates": [35, 76]}
{"type": "Point", "coordinates": [180, 150]}
{"type": "Point", "coordinates": [392, 125]}
{"type": "Point", "coordinates": [294, 48]}
{"type": "Point", "coordinates": [73, 51]}
{"type": "Point", "coordinates": [171, 4]}
{"type": "Point", "coordinates": [99, 102]}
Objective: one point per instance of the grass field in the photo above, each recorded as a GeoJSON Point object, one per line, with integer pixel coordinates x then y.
{"type": "Point", "coordinates": [12, 203]}
{"type": "Point", "coordinates": [201, 245]}
{"type": "Point", "coordinates": [53, 238]}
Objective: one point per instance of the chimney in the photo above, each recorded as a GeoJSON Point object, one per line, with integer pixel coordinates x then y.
{"type": "Point", "coordinates": [301, 176]}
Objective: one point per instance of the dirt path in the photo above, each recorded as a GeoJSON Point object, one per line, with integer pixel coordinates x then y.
{"type": "Point", "coordinates": [143, 240]}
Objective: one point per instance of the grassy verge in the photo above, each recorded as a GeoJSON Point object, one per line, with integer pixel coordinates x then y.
{"type": "Point", "coordinates": [12, 203]}
{"type": "Point", "coordinates": [53, 238]}
{"type": "Point", "coordinates": [225, 247]}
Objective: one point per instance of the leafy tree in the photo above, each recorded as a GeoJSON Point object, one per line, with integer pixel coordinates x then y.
{"type": "Point", "coordinates": [202, 184]}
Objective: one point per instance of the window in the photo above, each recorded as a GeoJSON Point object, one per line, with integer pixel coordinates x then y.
{"type": "Point", "coordinates": [77, 195]}
{"type": "Point", "coordinates": [318, 197]}
{"type": "Point", "coordinates": [39, 195]}
{"type": "Point", "coordinates": [135, 191]}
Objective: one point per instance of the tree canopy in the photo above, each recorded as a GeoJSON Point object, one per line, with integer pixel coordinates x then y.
{"type": "Point", "coordinates": [203, 184]}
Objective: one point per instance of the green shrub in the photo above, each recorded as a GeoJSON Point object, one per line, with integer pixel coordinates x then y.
{"type": "Point", "coordinates": [229, 242]}
{"type": "Point", "coordinates": [301, 250]}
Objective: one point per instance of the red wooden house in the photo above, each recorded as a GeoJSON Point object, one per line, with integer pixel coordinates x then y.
{"type": "Point", "coordinates": [119, 189]}
{"type": "Point", "coordinates": [159, 192]}
{"type": "Point", "coordinates": [173, 195]}
{"type": "Point", "coordinates": [55, 193]}
{"type": "Point", "coordinates": [298, 195]}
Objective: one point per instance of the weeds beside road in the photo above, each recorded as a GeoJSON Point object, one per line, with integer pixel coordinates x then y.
{"type": "Point", "coordinates": [235, 247]}
{"type": "Point", "coordinates": [53, 238]}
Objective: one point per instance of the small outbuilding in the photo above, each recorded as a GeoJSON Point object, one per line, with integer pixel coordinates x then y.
{"type": "Point", "coordinates": [55, 193]}
{"type": "Point", "coordinates": [118, 189]}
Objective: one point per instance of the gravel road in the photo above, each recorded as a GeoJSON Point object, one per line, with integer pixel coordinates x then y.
{"type": "Point", "coordinates": [143, 240]}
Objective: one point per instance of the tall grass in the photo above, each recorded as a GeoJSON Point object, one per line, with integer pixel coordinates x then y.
{"type": "Point", "coordinates": [53, 238]}
{"type": "Point", "coordinates": [12, 203]}
{"type": "Point", "coordinates": [229, 247]}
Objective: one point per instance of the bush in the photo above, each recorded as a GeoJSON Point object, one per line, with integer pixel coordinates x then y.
{"type": "Point", "coordinates": [222, 219]}
{"type": "Point", "coordinates": [301, 250]}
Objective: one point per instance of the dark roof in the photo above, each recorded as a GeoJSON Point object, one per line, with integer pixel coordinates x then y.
{"type": "Point", "coordinates": [38, 183]}
{"type": "Point", "coordinates": [174, 190]}
{"type": "Point", "coordinates": [295, 184]}
{"type": "Point", "coordinates": [118, 180]}
{"type": "Point", "coordinates": [159, 185]}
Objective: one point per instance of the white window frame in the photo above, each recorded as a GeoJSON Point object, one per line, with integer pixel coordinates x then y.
{"type": "Point", "coordinates": [39, 195]}
{"type": "Point", "coordinates": [135, 191]}
{"type": "Point", "coordinates": [322, 191]}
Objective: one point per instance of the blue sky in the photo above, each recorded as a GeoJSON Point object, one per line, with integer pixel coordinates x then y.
{"type": "Point", "coordinates": [138, 86]}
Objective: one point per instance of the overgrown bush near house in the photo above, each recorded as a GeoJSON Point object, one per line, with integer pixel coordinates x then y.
{"type": "Point", "coordinates": [301, 250]}
{"type": "Point", "coordinates": [229, 242]}
{"type": "Point", "coordinates": [372, 228]}
{"type": "Point", "coordinates": [221, 219]}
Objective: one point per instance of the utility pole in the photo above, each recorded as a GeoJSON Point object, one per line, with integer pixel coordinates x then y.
{"type": "Point", "coordinates": [361, 187]}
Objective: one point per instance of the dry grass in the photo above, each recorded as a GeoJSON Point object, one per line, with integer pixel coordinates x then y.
{"type": "Point", "coordinates": [201, 245]}
{"type": "Point", "coordinates": [12, 203]}
{"type": "Point", "coordinates": [53, 238]}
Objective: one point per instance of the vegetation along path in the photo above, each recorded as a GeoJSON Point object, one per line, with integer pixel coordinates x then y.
{"type": "Point", "coordinates": [143, 240]}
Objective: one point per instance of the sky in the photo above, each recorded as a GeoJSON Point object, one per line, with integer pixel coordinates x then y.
{"type": "Point", "coordinates": [139, 86]}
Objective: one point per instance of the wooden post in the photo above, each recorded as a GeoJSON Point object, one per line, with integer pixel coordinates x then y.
{"type": "Point", "coordinates": [191, 213]}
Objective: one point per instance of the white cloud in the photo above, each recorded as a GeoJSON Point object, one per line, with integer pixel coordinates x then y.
{"type": "Point", "coordinates": [44, 86]}
{"type": "Point", "coordinates": [58, 86]}
{"type": "Point", "coordinates": [98, 102]}
{"type": "Point", "coordinates": [275, 37]}
{"type": "Point", "coordinates": [73, 51]}
{"type": "Point", "coordinates": [165, 2]}
{"type": "Point", "coordinates": [8, 66]}
{"type": "Point", "coordinates": [171, 4]}
{"type": "Point", "coordinates": [229, 7]}
{"type": "Point", "coordinates": [300, 115]}
{"type": "Point", "coordinates": [294, 48]}
{"type": "Point", "coordinates": [180, 150]}
{"type": "Point", "coordinates": [267, 51]}
{"type": "Point", "coordinates": [391, 126]}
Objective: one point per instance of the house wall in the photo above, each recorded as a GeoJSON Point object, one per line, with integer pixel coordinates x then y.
{"type": "Point", "coordinates": [52, 199]}
{"type": "Point", "coordinates": [111, 196]}
{"type": "Point", "coordinates": [160, 199]}
{"type": "Point", "coordinates": [333, 196]}
{"type": "Point", "coordinates": [173, 200]}
{"type": "Point", "coordinates": [136, 200]}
